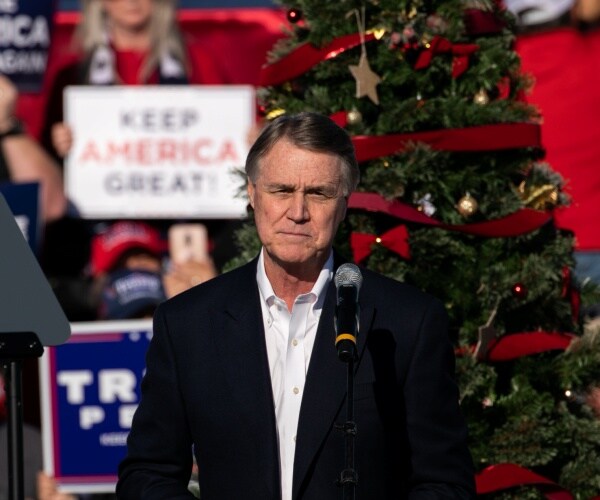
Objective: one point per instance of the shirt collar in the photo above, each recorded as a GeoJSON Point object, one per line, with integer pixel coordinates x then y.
{"type": "Point", "coordinates": [319, 289]}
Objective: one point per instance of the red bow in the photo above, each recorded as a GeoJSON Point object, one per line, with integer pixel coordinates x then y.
{"type": "Point", "coordinates": [439, 45]}
{"type": "Point", "coordinates": [395, 239]}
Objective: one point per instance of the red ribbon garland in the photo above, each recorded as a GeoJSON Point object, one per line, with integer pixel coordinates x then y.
{"type": "Point", "coordinates": [483, 138]}
{"type": "Point", "coordinates": [440, 45]}
{"type": "Point", "coordinates": [304, 57]}
{"type": "Point", "coordinates": [517, 345]}
{"type": "Point", "coordinates": [504, 476]}
{"type": "Point", "coordinates": [519, 222]}
{"type": "Point", "coordinates": [395, 239]}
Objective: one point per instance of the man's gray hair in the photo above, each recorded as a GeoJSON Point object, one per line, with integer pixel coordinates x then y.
{"type": "Point", "coordinates": [310, 131]}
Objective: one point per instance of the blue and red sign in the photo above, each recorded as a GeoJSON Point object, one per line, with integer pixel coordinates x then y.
{"type": "Point", "coordinates": [90, 391]}
{"type": "Point", "coordinates": [25, 41]}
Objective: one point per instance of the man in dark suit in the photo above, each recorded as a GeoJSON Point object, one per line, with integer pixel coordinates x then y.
{"type": "Point", "coordinates": [243, 369]}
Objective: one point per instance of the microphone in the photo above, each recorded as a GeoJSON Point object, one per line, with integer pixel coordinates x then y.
{"type": "Point", "coordinates": [348, 280]}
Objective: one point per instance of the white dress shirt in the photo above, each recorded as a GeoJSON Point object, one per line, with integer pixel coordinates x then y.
{"type": "Point", "coordinates": [290, 338]}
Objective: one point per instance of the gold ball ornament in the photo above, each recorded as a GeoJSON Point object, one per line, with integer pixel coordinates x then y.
{"type": "Point", "coordinates": [481, 98]}
{"type": "Point", "coordinates": [354, 116]}
{"type": "Point", "coordinates": [467, 205]}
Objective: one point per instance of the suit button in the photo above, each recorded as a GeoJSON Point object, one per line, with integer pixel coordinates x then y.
{"type": "Point", "coordinates": [296, 390]}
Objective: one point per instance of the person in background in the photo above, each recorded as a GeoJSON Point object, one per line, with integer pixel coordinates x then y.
{"type": "Point", "coordinates": [131, 294]}
{"type": "Point", "coordinates": [542, 15]}
{"type": "Point", "coordinates": [127, 267]}
{"type": "Point", "coordinates": [123, 246]}
{"type": "Point", "coordinates": [587, 13]}
{"type": "Point", "coordinates": [558, 44]}
{"type": "Point", "coordinates": [121, 42]}
{"type": "Point", "coordinates": [78, 256]}
{"type": "Point", "coordinates": [133, 253]}
{"type": "Point", "coordinates": [47, 489]}
{"type": "Point", "coordinates": [23, 160]}
{"type": "Point", "coordinates": [127, 245]}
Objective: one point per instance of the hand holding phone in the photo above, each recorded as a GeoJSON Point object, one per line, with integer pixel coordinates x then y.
{"type": "Point", "coordinates": [188, 242]}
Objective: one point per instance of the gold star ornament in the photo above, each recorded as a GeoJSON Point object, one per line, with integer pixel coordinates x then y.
{"type": "Point", "coordinates": [366, 79]}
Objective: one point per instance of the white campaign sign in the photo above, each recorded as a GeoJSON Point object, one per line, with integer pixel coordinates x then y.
{"type": "Point", "coordinates": [158, 151]}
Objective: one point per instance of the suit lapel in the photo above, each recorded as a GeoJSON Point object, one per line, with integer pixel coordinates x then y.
{"type": "Point", "coordinates": [240, 341]}
{"type": "Point", "coordinates": [326, 385]}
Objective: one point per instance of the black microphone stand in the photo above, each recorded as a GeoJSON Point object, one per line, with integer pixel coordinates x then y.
{"type": "Point", "coordinates": [348, 281]}
{"type": "Point", "coordinates": [348, 477]}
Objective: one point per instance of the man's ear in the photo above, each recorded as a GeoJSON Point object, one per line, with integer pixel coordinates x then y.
{"type": "Point", "coordinates": [251, 190]}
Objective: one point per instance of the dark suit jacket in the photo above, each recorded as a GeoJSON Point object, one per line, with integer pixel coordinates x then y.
{"type": "Point", "coordinates": [208, 386]}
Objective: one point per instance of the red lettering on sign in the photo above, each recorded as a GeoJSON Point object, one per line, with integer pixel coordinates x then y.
{"type": "Point", "coordinates": [156, 152]}
{"type": "Point", "coordinates": [228, 152]}
{"type": "Point", "coordinates": [90, 153]}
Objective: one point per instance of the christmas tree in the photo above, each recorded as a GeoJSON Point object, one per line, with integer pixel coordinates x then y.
{"type": "Point", "coordinates": [455, 199]}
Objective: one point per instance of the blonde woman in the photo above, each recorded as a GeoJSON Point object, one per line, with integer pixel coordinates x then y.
{"type": "Point", "coordinates": [122, 42]}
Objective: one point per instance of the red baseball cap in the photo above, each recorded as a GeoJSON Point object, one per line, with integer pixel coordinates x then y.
{"type": "Point", "coordinates": [109, 245]}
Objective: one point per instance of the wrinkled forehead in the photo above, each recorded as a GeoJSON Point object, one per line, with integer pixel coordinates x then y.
{"type": "Point", "coordinates": [287, 162]}
{"type": "Point", "coordinates": [285, 153]}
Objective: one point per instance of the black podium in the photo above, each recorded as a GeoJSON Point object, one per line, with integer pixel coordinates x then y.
{"type": "Point", "coordinates": [30, 318]}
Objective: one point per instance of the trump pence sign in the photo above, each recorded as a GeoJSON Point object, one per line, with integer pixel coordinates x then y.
{"type": "Point", "coordinates": [158, 151]}
{"type": "Point", "coordinates": [90, 388]}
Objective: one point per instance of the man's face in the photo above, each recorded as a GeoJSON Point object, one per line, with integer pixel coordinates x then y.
{"type": "Point", "coordinates": [298, 204]}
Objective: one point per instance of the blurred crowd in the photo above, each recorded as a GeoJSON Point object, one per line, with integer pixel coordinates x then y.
{"type": "Point", "coordinates": [122, 269]}
{"type": "Point", "coordinates": [99, 268]}
{"type": "Point", "coordinates": [559, 47]}
{"type": "Point", "coordinates": [138, 42]}
{"type": "Point", "coordinates": [105, 269]}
